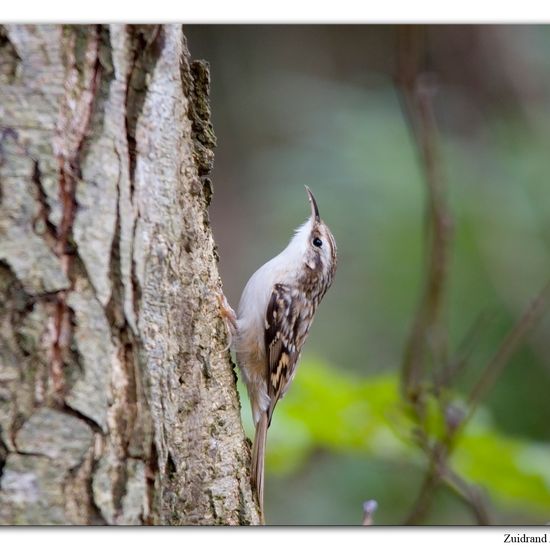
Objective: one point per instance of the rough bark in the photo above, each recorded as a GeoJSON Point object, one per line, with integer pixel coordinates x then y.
{"type": "Point", "coordinates": [117, 400]}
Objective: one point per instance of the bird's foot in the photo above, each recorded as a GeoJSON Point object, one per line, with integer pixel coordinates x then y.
{"type": "Point", "coordinates": [229, 317]}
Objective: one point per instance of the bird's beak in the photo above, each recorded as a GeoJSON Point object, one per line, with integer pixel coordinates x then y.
{"type": "Point", "coordinates": [313, 202]}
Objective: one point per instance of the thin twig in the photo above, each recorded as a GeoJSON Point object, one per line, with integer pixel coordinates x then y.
{"type": "Point", "coordinates": [508, 346]}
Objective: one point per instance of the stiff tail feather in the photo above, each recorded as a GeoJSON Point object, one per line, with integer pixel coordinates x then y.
{"type": "Point", "coordinates": [258, 459]}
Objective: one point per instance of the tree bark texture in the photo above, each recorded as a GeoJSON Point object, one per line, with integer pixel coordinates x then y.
{"type": "Point", "coordinates": [117, 396]}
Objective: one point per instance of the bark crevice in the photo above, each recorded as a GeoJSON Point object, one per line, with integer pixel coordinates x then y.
{"type": "Point", "coordinates": [146, 43]}
{"type": "Point", "coordinates": [10, 58]}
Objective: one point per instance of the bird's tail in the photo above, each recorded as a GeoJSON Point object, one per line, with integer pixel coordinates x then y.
{"type": "Point", "coordinates": [258, 459]}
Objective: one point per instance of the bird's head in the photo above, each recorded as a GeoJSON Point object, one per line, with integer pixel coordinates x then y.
{"type": "Point", "coordinates": [320, 246]}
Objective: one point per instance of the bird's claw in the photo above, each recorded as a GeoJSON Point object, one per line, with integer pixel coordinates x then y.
{"type": "Point", "coordinates": [229, 316]}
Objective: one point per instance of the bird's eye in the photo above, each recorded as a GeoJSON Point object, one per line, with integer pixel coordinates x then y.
{"type": "Point", "coordinates": [317, 242]}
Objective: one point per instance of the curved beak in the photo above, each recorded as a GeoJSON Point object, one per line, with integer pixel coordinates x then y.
{"type": "Point", "coordinates": [313, 202]}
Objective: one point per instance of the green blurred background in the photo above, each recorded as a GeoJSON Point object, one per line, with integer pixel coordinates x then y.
{"type": "Point", "coordinates": [317, 105]}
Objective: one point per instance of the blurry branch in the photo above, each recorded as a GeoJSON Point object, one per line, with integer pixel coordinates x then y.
{"type": "Point", "coordinates": [440, 471]}
{"type": "Point", "coordinates": [438, 452]}
{"type": "Point", "coordinates": [450, 371]}
{"type": "Point", "coordinates": [369, 508]}
{"type": "Point", "coordinates": [509, 345]}
{"type": "Point", "coordinates": [470, 494]}
{"type": "Point", "coordinates": [428, 332]}
{"type": "Point", "coordinates": [427, 373]}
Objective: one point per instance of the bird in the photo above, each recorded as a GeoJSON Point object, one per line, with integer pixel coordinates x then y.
{"type": "Point", "coordinates": [275, 313]}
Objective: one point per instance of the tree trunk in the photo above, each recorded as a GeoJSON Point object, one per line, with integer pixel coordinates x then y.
{"type": "Point", "coordinates": [117, 397]}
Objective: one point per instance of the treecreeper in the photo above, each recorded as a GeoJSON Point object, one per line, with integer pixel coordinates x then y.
{"type": "Point", "coordinates": [275, 313]}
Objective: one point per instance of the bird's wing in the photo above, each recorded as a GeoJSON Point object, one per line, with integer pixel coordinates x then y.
{"type": "Point", "coordinates": [282, 343]}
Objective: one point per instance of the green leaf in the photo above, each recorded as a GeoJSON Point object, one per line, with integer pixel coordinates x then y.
{"type": "Point", "coordinates": [330, 409]}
